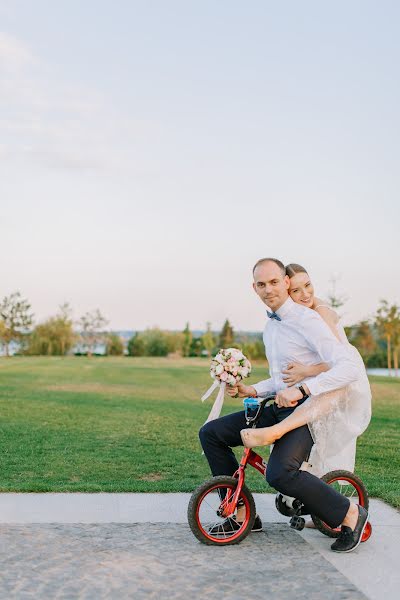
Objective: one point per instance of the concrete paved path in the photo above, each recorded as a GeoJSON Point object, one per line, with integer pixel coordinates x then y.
{"type": "Point", "coordinates": [100, 545]}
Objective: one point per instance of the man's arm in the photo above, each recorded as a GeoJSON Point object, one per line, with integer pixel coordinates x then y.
{"type": "Point", "coordinates": [242, 390]}
{"type": "Point", "coordinates": [343, 367]}
{"type": "Point", "coordinates": [264, 387]}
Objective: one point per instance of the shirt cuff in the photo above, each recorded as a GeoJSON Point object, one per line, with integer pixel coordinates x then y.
{"type": "Point", "coordinates": [313, 386]}
{"type": "Point", "coordinates": [263, 387]}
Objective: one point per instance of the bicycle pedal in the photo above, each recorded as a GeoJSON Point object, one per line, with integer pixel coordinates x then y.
{"type": "Point", "coordinates": [297, 523]}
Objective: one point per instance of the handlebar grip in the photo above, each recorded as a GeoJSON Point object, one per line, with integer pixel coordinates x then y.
{"type": "Point", "coordinates": [260, 408]}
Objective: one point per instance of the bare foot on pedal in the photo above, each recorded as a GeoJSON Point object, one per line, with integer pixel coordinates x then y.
{"type": "Point", "coordinates": [258, 437]}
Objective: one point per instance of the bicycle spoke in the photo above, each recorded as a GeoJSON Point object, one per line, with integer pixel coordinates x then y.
{"type": "Point", "coordinates": [211, 507]}
{"type": "Point", "coordinates": [217, 523]}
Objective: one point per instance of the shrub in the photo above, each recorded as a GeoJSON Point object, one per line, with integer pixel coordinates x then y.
{"type": "Point", "coordinates": [114, 345]}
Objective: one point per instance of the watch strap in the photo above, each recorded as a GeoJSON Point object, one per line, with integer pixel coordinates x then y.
{"type": "Point", "coordinates": [303, 391]}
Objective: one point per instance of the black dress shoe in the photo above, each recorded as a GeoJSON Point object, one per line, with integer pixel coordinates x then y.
{"type": "Point", "coordinates": [257, 526]}
{"type": "Point", "coordinates": [349, 539]}
{"type": "Point", "coordinates": [230, 525]}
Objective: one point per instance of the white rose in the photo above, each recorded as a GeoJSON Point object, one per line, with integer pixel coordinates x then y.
{"type": "Point", "coordinates": [219, 369]}
{"type": "Point", "coordinates": [231, 380]}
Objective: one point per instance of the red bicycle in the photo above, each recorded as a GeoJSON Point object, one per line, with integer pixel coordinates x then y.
{"type": "Point", "coordinates": [218, 498]}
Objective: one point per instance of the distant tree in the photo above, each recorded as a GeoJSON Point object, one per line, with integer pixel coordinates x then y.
{"type": "Point", "coordinates": [396, 345]}
{"type": "Point", "coordinates": [196, 347]}
{"type": "Point", "coordinates": [226, 337]}
{"type": "Point", "coordinates": [187, 340]}
{"type": "Point", "coordinates": [388, 324]}
{"type": "Point", "coordinates": [92, 325]}
{"type": "Point", "coordinates": [156, 342]}
{"type": "Point", "coordinates": [114, 345]}
{"type": "Point", "coordinates": [55, 336]}
{"type": "Point", "coordinates": [377, 360]}
{"type": "Point", "coordinates": [136, 345]}
{"type": "Point", "coordinates": [3, 332]}
{"type": "Point", "coordinates": [15, 319]}
{"type": "Point", "coordinates": [65, 328]}
{"type": "Point", "coordinates": [208, 340]}
{"type": "Point", "coordinates": [254, 350]}
{"type": "Point", "coordinates": [362, 337]}
{"type": "Point", "coordinates": [335, 300]}
{"type": "Point", "coordinates": [175, 342]}
{"type": "Point", "coordinates": [152, 342]}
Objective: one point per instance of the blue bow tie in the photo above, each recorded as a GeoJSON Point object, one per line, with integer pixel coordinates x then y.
{"type": "Point", "coordinates": [273, 315]}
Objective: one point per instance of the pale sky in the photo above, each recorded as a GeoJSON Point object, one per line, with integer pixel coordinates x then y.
{"type": "Point", "coordinates": [151, 152]}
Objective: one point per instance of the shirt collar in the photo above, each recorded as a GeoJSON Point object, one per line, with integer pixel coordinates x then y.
{"type": "Point", "coordinates": [285, 309]}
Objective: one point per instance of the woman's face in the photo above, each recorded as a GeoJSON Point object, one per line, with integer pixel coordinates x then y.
{"type": "Point", "coordinates": [301, 289]}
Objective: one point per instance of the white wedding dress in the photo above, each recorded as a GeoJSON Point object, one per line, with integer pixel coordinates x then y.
{"type": "Point", "coordinates": [335, 420]}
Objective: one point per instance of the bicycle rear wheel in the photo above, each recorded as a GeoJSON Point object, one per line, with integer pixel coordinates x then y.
{"type": "Point", "coordinates": [207, 512]}
{"type": "Point", "coordinates": [351, 486]}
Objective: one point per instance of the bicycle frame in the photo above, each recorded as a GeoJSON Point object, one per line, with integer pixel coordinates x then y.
{"type": "Point", "coordinates": [229, 503]}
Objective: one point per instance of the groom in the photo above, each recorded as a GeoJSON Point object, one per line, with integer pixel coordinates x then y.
{"type": "Point", "coordinates": [293, 333]}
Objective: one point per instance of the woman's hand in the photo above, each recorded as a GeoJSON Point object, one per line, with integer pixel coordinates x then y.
{"type": "Point", "coordinates": [295, 373]}
{"type": "Point", "coordinates": [240, 390]}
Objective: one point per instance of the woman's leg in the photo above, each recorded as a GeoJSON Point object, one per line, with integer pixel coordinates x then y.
{"type": "Point", "coordinates": [265, 436]}
{"type": "Point", "coordinates": [218, 437]}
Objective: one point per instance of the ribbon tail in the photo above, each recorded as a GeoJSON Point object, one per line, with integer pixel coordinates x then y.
{"type": "Point", "coordinates": [218, 403]}
{"type": "Point", "coordinates": [210, 390]}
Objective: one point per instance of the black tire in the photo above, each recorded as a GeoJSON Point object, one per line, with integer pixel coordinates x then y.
{"type": "Point", "coordinates": [360, 490]}
{"type": "Point", "coordinates": [222, 482]}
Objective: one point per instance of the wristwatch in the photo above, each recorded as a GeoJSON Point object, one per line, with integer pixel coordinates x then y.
{"type": "Point", "coordinates": [303, 391]}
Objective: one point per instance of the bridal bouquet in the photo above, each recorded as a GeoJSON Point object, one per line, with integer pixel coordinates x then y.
{"type": "Point", "coordinates": [228, 367]}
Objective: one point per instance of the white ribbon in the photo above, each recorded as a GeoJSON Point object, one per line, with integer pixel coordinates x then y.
{"type": "Point", "coordinates": [218, 402]}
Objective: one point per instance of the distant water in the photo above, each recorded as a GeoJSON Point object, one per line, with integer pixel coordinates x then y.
{"type": "Point", "coordinates": [383, 372]}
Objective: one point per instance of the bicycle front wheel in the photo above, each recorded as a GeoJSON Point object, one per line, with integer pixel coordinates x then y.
{"type": "Point", "coordinates": [207, 512]}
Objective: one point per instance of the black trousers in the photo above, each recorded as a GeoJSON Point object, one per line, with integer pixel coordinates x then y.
{"type": "Point", "coordinates": [283, 471]}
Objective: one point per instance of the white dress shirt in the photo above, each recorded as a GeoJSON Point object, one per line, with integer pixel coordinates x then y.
{"type": "Point", "coordinates": [303, 336]}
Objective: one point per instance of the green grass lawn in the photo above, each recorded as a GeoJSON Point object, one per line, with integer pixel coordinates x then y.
{"type": "Point", "coordinates": [130, 424]}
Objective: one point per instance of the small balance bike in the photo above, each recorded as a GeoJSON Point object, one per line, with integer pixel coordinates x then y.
{"type": "Point", "coordinates": [218, 498]}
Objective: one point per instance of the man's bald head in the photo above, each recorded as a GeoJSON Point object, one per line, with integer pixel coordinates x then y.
{"type": "Point", "coordinates": [274, 260]}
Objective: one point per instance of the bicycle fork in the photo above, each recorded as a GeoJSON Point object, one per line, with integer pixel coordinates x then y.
{"type": "Point", "coordinates": [230, 503]}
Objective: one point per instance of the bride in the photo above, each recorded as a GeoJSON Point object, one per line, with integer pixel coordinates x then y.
{"type": "Point", "coordinates": [335, 419]}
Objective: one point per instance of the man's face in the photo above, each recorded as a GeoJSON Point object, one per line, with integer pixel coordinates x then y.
{"type": "Point", "coordinates": [271, 285]}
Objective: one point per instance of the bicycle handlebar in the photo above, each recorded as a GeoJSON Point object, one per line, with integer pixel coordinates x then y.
{"type": "Point", "coordinates": [261, 405]}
